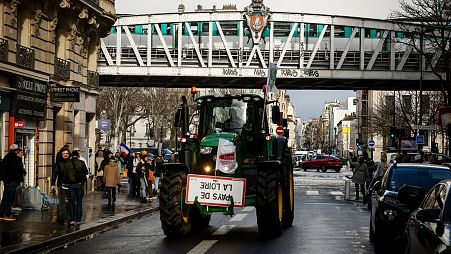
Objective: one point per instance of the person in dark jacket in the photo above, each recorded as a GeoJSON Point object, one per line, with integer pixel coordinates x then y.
{"type": "Point", "coordinates": [360, 176]}
{"type": "Point", "coordinates": [74, 172]}
{"type": "Point", "coordinates": [13, 173]}
{"type": "Point", "coordinates": [57, 178]}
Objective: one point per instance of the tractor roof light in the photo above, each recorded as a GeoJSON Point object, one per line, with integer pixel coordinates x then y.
{"type": "Point", "coordinates": [194, 90]}
{"type": "Point", "coordinates": [269, 137]}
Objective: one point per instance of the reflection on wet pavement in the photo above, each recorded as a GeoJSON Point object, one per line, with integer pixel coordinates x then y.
{"type": "Point", "coordinates": [34, 226]}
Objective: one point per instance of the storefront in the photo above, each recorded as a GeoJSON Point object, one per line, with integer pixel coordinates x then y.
{"type": "Point", "coordinates": [28, 108]}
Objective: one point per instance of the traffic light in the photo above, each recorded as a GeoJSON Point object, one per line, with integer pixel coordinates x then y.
{"type": "Point", "coordinates": [392, 132]}
{"type": "Point", "coordinates": [434, 148]}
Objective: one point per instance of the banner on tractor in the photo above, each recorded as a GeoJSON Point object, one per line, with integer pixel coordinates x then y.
{"type": "Point", "coordinates": [215, 190]}
{"type": "Point", "coordinates": [226, 157]}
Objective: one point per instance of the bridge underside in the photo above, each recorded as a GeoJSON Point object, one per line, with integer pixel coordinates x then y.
{"type": "Point", "coordinates": [257, 83]}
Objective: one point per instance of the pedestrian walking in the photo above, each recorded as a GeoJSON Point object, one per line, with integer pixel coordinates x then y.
{"type": "Point", "coordinates": [73, 173]}
{"type": "Point", "coordinates": [142, 171]}
{"type": "Point", "coordinates": [99, 171]}
{"type": "Point", "coordinates": [57, 178]}
{"type": "Point", "coordinates": [12, 173]}
{"type": "Point", "coordinates": [360, 176]}
{"type": "Point", "coordinates": [111, 178]}
{"type": "Point", "coordinates": [136, 185]}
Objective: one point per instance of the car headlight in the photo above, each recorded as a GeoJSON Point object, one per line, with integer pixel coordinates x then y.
{"type": "Point", "coordinates": [206, 150]}
{"type": "Point", "coordinates": [391, 214]}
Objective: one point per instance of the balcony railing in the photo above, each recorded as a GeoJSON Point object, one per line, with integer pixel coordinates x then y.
{"type": "Point", "coordinates": [62, 68]}
{"type": "Point", "coordinates": [3, 50]}
{"type": "Point", "coordinates": [94, 1]}
{"type": "Point", "coordinates": [25, 56]}
{"type": "Point", "coordinates": [93, 79]}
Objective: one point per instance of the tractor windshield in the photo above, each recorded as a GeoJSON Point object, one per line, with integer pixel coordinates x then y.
{"type": "Point", "coordinates": [231, 115]}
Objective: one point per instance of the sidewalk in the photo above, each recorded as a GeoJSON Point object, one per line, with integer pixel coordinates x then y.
{"type": "Point", "coordinates": [36, 230]}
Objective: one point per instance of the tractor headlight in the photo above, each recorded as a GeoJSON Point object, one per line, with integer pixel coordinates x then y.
{"type": "Point", "coordinates": [207, 169]}
{"type": "Point", "coordinates": [206, 150]}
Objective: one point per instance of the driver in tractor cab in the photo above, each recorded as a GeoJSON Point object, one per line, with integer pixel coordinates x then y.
{"type": "Point", "coordinates": [235, 122]}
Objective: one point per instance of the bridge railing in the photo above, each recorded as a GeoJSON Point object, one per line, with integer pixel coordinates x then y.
{"type": "Point", "coordinates": [337, 44]}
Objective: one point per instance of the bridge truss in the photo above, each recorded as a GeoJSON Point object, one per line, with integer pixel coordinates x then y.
{"type": "Point", "coordinates": [213, 49]}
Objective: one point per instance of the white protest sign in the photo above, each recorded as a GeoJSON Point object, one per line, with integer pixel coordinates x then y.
{"type": "Point", "coordinates": [215, 190]}
{"type": "Point", "coordinates": [226, 157]}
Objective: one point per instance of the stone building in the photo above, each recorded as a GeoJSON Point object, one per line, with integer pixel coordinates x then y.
{"type": "Point", "coordinates": [45, 45]}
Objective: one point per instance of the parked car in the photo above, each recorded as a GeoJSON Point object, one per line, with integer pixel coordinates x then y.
{"type": "Point", "coordinates": [429, 227]}
{"type": "Point", "coordinates": [410, 158]}
{"type": "Point", "coordinates": [322, 162]}
{"type": "Point", "coordinates": [388, 214]}
{"type": "Point", "coordinates": [297, 161]}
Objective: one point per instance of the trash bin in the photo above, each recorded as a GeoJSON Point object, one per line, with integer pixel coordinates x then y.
{"type": "Point", "coordinates": [347, 189]}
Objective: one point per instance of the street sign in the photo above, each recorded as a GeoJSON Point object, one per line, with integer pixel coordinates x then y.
{"type": "Point", "coordinates": [104, 125]}
{"type": "Point", "coordinates": [371, 143]}
{"type": "Point", "coordinates": [215, 190]}
{"type": "Point", "coordinates": [426, 127]}
{"type": "Point", "coordinates": [19, 124]}
{"type": "Point", "coordinates": [351, 148]}
{"type": "Point", "coordinates": [279, 131]}
{"type": "Point", "coordinates": [420, 140]}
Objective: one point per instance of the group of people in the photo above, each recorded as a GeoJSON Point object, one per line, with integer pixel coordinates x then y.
{"type": "Point", "coordinates": [141, 169]}
{"type": "Point", "coordinates": [143, 175]}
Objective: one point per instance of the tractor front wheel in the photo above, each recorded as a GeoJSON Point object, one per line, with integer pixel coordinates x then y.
{"type": "Point", "coordinates": [174, 214]}
{"type": "Point", "coordinates": [269, 203]}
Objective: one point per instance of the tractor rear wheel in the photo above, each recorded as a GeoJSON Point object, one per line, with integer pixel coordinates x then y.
{"type": "Point", "coordinates": [174, 214]}
{"type": "Point", "coordinates": [269, 203]}
{"type": "Point", "coordinates": [288, 199]}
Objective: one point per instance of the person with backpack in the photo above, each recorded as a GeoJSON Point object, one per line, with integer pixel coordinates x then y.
{"type": "Point", "coordinates": [73, 173]}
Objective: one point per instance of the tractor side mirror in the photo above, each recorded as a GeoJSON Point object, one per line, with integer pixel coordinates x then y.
{"type": "Point", "coordinates": [178, 117]}
{"type": "Point", "coordinates": [275, 113]}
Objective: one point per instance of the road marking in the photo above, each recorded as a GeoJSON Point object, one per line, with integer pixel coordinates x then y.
{"type": "Point", "coordinates": [336, 193]}
{"type": "Point", "coordinates": [248, 209]}
{"type": "Point", "coordinates": [238, 217]}
{"type": "Point", "coordinates": [203, 247]}
{"type": "Point", "coordinates": [312, 193]}
{"type": "Point", "coordinates": [223, 230]}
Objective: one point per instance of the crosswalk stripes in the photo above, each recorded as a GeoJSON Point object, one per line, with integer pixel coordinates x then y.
{"type": "Point", "coordinates": [317, 193]}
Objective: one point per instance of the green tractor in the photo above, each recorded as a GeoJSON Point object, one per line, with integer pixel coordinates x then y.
{"type": "Point", "coordinates": [232, 162]}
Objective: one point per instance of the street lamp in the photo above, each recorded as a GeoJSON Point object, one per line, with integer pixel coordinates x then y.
{"type": "Point", "coordinates": [131, 130]}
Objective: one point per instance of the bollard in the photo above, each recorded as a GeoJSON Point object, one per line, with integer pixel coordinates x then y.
{"type": "Point", "coordinates": [347, 189]}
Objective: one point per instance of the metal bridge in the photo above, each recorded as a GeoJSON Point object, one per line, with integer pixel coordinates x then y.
{"type": "Point", "coordinates": [233, 49]}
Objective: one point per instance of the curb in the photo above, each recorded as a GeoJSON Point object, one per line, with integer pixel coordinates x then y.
{"type": "Point", "coordinates": [87, 230]}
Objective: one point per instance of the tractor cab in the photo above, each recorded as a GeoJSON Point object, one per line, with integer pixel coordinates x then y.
{"type": "Point", "coordinates": [230, 114]}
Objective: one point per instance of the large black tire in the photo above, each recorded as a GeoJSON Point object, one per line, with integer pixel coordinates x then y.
{"type": "Point", "coordinates": [269, 203]}
{"type": "Point", "coordinates": [174, 214]}
{"type": "Point", "coordinates": [323, 168]}
{"type": "Point", "coordinates": [288, 199]}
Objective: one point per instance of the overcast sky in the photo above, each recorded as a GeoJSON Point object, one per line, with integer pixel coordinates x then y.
{"type": "Point", "coordinates": [308, 103]}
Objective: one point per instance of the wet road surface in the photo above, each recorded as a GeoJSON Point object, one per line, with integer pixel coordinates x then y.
{"type": "Point", "coordinates": [324, 223]}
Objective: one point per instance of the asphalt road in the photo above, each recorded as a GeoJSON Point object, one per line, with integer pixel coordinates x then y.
{"type": "Point", "coordinates": [324, 223]}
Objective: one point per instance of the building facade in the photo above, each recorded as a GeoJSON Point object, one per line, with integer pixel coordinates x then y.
{"type": "Point", "coordinates": [48, 78]}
